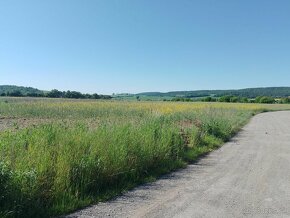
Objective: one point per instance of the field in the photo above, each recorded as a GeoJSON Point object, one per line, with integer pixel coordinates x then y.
{"type": "Point", "coordinates": [59, 155]}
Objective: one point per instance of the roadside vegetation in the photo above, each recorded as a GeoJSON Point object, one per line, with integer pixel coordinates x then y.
{"type": "Point", "coordinates": [94, 150]}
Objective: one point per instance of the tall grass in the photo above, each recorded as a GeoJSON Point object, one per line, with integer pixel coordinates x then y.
{"type": "Point", "coordinates": [55, 168]}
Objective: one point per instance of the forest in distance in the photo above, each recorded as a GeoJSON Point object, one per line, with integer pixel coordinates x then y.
{"type": "Point", "coordinates": [250, 93]}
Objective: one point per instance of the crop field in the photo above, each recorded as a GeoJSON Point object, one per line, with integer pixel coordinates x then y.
{"type": "Point", "coordinates": [59, 155]}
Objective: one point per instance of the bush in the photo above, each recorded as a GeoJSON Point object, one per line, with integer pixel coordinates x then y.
{"type": "Point", "coordinates": [285, 100]}
{"type": "Point", "coordinates": [244, 100]}
{"type": "Point", "coordinates": [234, 99]}
{"type": "Point", "coordinates": [208, 99]}
{"type": "Point", "coordinates": [266, 100]}
{"type": "Point", "coordinates": [226, 98]}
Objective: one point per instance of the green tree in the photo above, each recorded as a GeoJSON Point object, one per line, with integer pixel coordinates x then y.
{"type": "Point", "coordinates": [285, 100]}
{"type": "Point", "coordinates": [208, 99]}
{"type": "Point", "coordinates": [95, 96]}
{"type": "Point", "coordinates": [16, 94]}
{"type": "Point", "coordinates": [258, 99]}
{"type": "Point", "coordinates": [244, 100]}
{"type": "Point", "coordinates": [55, 94]}
{"type": "Point", "coordinates": [226, 98]}
{"type": "Point", "coordinates": [267, 100]}
{"type": "Point", "coordinates": [234, 99]}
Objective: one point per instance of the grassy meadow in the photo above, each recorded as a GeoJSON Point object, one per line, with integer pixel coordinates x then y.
{"type": "Point", "coordinates": [77, 152]}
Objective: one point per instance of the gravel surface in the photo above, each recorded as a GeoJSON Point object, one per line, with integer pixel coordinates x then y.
{"type": "Point", "coordinates": [247, 177]}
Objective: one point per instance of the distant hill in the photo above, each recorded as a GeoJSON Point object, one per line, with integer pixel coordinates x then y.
{"type": "Point", "coordinates": [20, 91]}
{"type": "Point", "coordinates": [11, 89]}
{"type": "Point", "coordinates": [275, 92]}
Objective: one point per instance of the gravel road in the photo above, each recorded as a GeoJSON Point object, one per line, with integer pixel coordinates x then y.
{"type": "Point", "coordinates": [247, 177]}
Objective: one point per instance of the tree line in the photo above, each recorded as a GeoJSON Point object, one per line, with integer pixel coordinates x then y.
{"type": "Point", "coordinates": [258, 99]}
{"type": "Point", "coordinates": [237, 99]}
{"type": "Point", "coordinates": [275, 92]}
{"type": "Point", "coordinates": [55, 94]}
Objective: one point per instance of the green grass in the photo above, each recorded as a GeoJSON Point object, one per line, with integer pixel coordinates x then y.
{"type": "Point", "coordinates": [52, 169]}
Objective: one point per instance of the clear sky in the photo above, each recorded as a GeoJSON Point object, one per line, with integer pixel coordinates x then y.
{"type": "Point", "coordinates": [108, 46]}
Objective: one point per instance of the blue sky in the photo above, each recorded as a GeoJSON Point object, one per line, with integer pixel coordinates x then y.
{"type": "Point", "coordinates": [108, 46]}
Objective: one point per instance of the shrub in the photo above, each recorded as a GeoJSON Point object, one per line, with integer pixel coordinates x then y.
{"type": "Point", "coordinates": [267, 100]}
{"type": "Point", "coordinates": [226, 98]}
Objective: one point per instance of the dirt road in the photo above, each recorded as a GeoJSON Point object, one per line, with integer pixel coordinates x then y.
{"type": "Point", "coordinates": [247, 177]}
